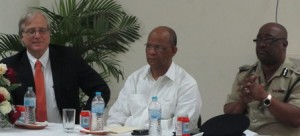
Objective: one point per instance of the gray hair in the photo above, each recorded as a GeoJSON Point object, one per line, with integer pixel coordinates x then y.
{"type": "Point", "coordinates": [27, 16]}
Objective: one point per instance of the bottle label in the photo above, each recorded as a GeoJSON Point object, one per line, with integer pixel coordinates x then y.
{"type": "Point", "coordinates": [22, 117]}
{"type": "Point", "coordinates": [85, 122]}
{"type": "Point", "coordinates": [97, 107]}
{"type": "Point", "coordinates": [155, 114]}
{"type": "Point", "coordinates": [29, 102]}
{"type": "Point", "coordinates": [185, 128]}
{"type": "Point", "coordinates": [179, 128]}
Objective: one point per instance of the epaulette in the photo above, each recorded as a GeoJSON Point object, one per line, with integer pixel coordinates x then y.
{"type": "Point", "coordinates": [244, 68]}
{"type": "Point", "coordinates": [295, 69]}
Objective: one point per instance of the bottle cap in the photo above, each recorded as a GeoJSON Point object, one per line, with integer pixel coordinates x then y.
{"type": "Point", "coordinates": [29, 88]}
{"type": "Point", "coordinates": [154, 98]}
{"type": "Point", "coordinates": [98, 93]}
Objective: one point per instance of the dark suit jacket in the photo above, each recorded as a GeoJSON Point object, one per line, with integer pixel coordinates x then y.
{"type": "Point", "coordinates": [69, 72]}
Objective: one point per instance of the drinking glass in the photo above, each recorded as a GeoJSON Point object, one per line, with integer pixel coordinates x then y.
{"type": "Point", "coordinates": [69, 120]}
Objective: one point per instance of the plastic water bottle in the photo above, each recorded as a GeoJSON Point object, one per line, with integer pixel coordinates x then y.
{"type": "Point", "coordinates": [154, 111]}
{"type": "Point", "coordinates": [30, 104]}
{"type": "Point", "coordinates": [97, 121]}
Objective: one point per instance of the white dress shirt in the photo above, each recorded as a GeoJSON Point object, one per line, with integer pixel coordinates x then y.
{"type": "Point", "coordinates": [52, 109]}
{"type": "Point", "coordinates": [177, 92]}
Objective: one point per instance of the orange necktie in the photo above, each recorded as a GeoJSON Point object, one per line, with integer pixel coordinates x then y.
{"type": "Point", "coordinates": [41, 111]}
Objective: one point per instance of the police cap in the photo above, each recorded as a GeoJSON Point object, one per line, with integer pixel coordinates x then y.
{"type": "Point", "coordinates": [225, 125]}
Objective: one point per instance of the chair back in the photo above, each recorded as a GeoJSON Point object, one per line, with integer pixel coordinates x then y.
{"type": "Point", "coordinates": [199, 122]}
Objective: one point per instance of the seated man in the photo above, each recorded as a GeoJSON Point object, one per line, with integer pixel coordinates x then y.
{"type": "Point", "coordinates": [268, 92]}
{"type": "Point", "coordinates": [55, 72]}
{"type": "Point", "coordinates": [176, 90]}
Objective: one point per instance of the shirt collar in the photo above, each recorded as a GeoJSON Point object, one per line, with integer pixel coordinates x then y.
{"type": "Point", "coordinates": [286, 64]}
{"type": "Point", "coordinates": [43, 59]}
{"type": "Point", "coordinates": [170, 73]}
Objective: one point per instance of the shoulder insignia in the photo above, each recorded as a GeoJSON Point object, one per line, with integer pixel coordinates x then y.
{"type": "Point", "coordinates": [244, 68]}
{"type": "Point", "coordinates": [296, 69]}
{"type": "Point", "coordinates": [284, 72]}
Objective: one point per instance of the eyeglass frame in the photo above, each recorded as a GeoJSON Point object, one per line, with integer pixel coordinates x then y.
{"type": "Point", "coordinates": [157, 48]}
{"type": "Point", "coordinates": [264, 40]}
{"type": "Point", "coordinates": [32, 31]}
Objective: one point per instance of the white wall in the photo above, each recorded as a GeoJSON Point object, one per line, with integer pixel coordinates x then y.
{"type": "Point", "coordinates": [214, 37]}
{"type": "Point", "coordinates": [10, 13]}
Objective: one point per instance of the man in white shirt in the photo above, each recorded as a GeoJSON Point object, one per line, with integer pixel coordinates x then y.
{"type": "Point", "coordinates": [177, 91]}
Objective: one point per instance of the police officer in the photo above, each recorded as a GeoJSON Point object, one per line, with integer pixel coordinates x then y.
{"type": "Point", "coordinates": [268, 92]}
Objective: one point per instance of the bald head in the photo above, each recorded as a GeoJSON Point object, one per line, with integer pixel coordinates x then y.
{"type": "Point", "coordinates": [165, 31]}
{"type": "Point", "coordinates": [278, 30]}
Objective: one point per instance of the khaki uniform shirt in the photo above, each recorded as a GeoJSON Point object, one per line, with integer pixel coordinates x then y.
{"type": "Point", "coordinates": [260, 117]}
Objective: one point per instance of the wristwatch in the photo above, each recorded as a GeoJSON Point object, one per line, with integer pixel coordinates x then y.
{"type": "Point", "coordinates": [267, 101]}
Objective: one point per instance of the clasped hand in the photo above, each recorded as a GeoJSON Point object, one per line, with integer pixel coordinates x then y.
{"type": "Point", "coordinates": [251, 90]}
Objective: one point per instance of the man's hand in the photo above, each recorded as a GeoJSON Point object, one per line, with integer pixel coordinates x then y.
{"type": "Point", "coordinates": [244, 98]}
{"type": "Point", "coordinates": [254, 90]}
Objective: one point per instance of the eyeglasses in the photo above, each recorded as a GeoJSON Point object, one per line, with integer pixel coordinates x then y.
{"type": "Point", "coordinates": [268, 40]}
{"type": "Point", "coordinates": [32, 31]}
{"type": "Point", "coordinates": [157, 48]}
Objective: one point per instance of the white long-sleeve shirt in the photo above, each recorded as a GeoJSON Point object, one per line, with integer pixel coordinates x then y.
{"type": "Point", "coordinates": [177, 92]}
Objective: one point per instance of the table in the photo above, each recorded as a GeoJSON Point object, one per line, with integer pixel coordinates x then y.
{"type": "Point", "coordinates": [56, 129]}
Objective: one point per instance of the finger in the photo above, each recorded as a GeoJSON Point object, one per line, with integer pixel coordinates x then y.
{"type": "Point", "coordinates": [246, 79]}
{"type": "Point", "coordinates": [241, 87]}
{"type": "Point", "coordinates": [253, 78]}
{"type": "Point", "coordinates": [246, 90]}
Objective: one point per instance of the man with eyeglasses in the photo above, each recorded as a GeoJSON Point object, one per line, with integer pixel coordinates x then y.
{"type": "Point", "coordinates": [62, 69]}
{"type": "Point", "coordinates": [176, 90]}
{"type": "Point", "coordinates": [268, 92]}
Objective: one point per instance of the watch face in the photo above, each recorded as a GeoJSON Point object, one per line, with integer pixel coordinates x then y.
{"type": "Point", "coordinates": [267, 102]}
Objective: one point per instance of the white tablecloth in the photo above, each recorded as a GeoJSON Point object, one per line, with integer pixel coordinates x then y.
{"type": "Point", "coordinates": [55, 129]}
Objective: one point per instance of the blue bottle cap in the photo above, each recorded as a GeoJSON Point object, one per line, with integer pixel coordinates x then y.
{"type": "Point", "coordinates": [154, 98]}
{"type": "Point", "coordinates": [98, 93]}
